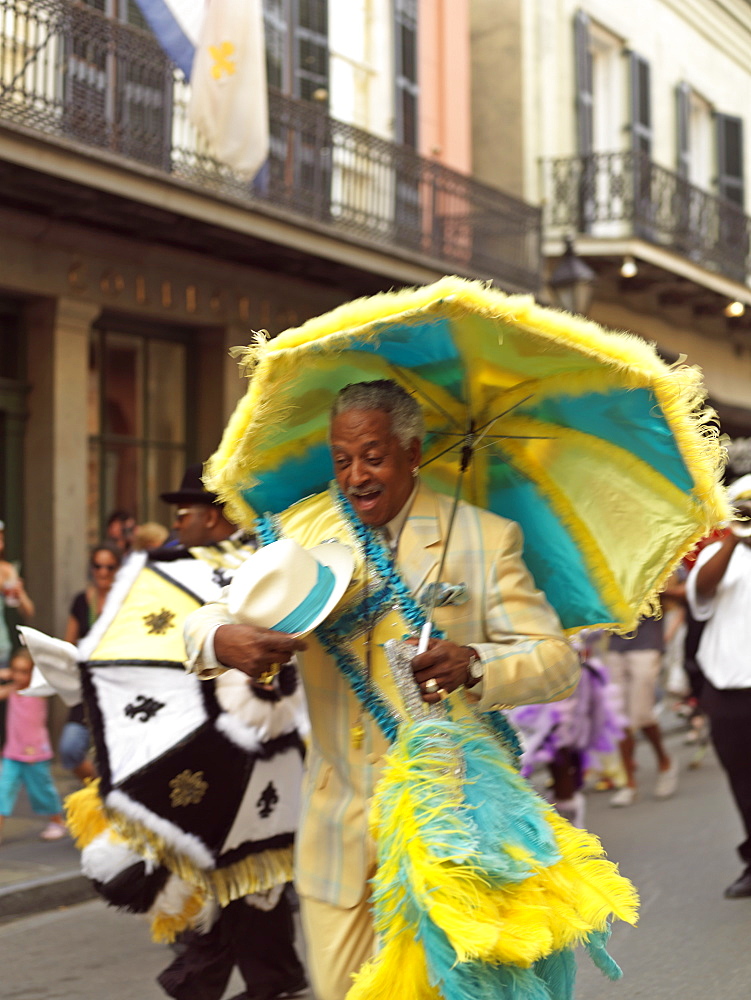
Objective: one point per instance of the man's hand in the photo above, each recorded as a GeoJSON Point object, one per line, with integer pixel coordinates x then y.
{"type": "Point", "coordinates": [444, 662]}
{"type": "Point", "coordinates": [254, 650]}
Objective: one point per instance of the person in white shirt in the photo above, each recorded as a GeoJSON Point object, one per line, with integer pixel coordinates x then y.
{"type": "Point", "coordinates": [719, 593]}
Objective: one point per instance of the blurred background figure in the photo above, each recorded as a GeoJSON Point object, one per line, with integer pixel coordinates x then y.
{"type": "Point", "coordinates": [149, 536]}
{"type": "Point", "coordinates": [87, 605]}
{"type": "Point", "coordinates": [27, 752]}
{"type": "Point", "coordinates": [569, 736]}
{"type": "Point", "coordinates": [674, 636]}
{"type": "Point", "coordinates": [719, 594]}
{"type": "Point", "coordinates": [634, 664]}
{"type": "Point", "coordinates": [683, 676]}
{"type": "Point", "coordinates": [12, 595]}
{"type": "Point", "coordinates": [119, 532]}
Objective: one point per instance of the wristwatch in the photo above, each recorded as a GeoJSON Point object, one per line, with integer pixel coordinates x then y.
{"type": "Point", "coordinates": [475, 667]}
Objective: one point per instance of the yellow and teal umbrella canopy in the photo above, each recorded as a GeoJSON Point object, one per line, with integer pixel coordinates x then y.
{"type": "Point", "coordinates": [602, 452]}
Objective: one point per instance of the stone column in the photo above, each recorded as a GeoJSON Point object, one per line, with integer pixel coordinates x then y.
{"type": "Point", "coordinates": [56, 456]}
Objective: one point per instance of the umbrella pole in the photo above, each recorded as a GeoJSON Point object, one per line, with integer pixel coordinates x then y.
{"type": "Point", "coordinates": [467, 451]}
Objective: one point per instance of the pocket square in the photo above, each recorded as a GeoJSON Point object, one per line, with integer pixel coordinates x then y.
{"type": "Point", "coordinates": [439, 595]}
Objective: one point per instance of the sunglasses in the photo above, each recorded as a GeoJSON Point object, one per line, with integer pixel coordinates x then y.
{"type": "Point", "coordinates": [110, 566]}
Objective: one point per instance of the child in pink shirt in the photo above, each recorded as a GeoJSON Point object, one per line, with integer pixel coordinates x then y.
{"type": "Point", "coordinates": [27, 752]}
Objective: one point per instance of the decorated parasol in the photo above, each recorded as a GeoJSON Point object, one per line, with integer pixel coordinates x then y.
{"type": "Point", "coordinates": [607, 458]}
{"type": "Point", "coordinates": [602, 452]}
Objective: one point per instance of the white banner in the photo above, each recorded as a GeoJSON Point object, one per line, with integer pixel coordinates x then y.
{"type": "Point", "coordinates": [229, 103]}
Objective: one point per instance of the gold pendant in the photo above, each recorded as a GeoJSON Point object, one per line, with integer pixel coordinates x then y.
{"type": "Point", "coordinates": [358, 735]}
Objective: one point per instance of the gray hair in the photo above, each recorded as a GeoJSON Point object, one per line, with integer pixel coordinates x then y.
{"type": "Point", "coordinates": [407, 421]}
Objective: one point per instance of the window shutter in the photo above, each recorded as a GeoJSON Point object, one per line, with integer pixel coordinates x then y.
{"type": "Point", "coordinates": [311, 56]}
{"type": "Point", "coordinates": [405, 75]}
{"type": "Point", "coordinates": [683, 151]}
{"type": "Point", "coordinates": [583, 63]}
{"type": "Point", "coordinates": [641, 111]}
{"type": "Point", "coordinates": [297, 48]}
{"type": "Point", "coordinates": [730, 158]}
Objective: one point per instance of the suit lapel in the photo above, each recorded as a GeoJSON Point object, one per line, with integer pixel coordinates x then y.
{"type": "Point", "coordinates": [420, 543]}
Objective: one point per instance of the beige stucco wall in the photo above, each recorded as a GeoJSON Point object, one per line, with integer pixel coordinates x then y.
{"type": "Point", "coordinates": [707, 45]}
{"type": "Point", "coordinates": [498, 106]}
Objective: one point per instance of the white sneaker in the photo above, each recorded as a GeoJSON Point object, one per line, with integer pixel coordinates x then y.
{"type": "Point", "coordinates": [667, 781]}
{"type": "Point", "coordinates": [53, 831]}
{"type": "Point", "coordinates": [572, 809]}
{"type": "Point", "coordinates": [625, 796]}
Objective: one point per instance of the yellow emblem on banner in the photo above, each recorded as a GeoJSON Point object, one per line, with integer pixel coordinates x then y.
{"type": "Point", "coordinates": [223, 64]}
{"type": "Point", "coordinates": [148, 625]}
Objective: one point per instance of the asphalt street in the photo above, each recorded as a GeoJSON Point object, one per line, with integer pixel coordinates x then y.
{"type": "Point", "coordinates": [691, 944]}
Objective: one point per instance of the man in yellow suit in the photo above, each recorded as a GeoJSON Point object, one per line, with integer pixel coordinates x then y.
{"type": "Point", "coordinates": [503, 646]}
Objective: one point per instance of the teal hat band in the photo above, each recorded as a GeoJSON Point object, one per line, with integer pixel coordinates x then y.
{"type": "Point", "coordinates": [311, 606]}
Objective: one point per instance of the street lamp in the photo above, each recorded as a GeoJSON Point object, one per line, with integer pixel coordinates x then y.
{"type": "Point", "coordinates": [571, 281]}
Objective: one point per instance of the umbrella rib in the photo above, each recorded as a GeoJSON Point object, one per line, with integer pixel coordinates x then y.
{"type": "Point", "coordinates": [494, 437]}
{"type": "Point", "coordinates": [521, 437]}
{"type": "Point", "coordinates": [503, 413]}
{"type": "Point", "coordinates": [439, 455]}
{"type": "Point", "coordinates": [421, 392]}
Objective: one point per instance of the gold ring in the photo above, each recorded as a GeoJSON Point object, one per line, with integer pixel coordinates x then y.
{"type": "Point", "coordinates": [431, 686]}
{"type": "Point", "coordinates": [442, 693]}
{"type": "Point", "coordinates": [267, 677]}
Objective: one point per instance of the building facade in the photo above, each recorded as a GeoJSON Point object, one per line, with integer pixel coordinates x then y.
{"type": "Point", "coordinates": [132, 261]}
{"type": "Point", "coordinates": [630, 125]}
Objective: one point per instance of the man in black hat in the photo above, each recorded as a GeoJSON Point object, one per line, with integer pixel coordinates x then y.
{"type": "Point", "coordinates": [199, 519]}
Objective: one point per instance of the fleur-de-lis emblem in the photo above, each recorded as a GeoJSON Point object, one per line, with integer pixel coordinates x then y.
{"type": "Point", "coordinates": [223, 63]}
{"type": "Point", "coordinates": [187, 788]}
{"type": "Point", "coordinates": [267, 801]}
{"type": "Point", "coordinates": [143, 708]}
{"type": "Point", "coordinates": [157, 623]}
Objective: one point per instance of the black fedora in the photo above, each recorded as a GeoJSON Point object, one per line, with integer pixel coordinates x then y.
{"type": "Point", "coordinates": [192, 489]}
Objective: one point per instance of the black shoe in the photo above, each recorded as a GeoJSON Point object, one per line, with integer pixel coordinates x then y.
{"type": "Point", "coordinates": [295, 990]}
{"type": "Point", "coordinates": [741, 887]}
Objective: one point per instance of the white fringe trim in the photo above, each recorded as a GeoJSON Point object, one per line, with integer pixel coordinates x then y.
{"type": "Point", "coordinates": [181, 841]}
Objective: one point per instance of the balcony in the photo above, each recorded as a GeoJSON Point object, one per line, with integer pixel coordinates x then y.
{"type": "Point", "coordinates": [621, 195]}
{"type": "Point", "coordinates": [68, 72]}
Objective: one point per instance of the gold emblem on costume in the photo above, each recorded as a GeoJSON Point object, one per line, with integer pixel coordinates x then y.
{"type": "Point", "coordinates": [187, 788]}
{"type": "Point", "coordinates": [159, 623]}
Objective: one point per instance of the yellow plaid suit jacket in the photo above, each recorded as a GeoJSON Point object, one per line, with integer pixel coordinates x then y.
{"type": "Point", "coordinates": [507, 620]}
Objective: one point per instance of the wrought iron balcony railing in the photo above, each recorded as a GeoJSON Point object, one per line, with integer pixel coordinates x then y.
{"type": "Point", "coordinates": [626, 194]}
{"type": "Point", "coordinates": [67, 70]}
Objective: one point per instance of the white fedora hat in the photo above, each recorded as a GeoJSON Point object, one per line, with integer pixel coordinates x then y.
{"type": "Point", "coordinates": [287, 588]}
{"type": "Point", "coordinates": [740, 490]}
